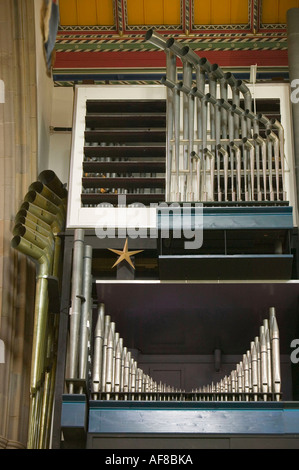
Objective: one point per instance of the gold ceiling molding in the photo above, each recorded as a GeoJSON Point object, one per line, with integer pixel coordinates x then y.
{"type": "Point", "coordinates": [182, 16]}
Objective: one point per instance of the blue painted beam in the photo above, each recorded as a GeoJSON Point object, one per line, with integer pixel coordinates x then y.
{"type": "Point", "coordinates": [225, 218]}
{"type": "Point", "coordinates": [194, 418]}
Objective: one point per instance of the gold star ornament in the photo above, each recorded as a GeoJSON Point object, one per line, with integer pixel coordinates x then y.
{"type": "Point", "coordinates": [125, 255]}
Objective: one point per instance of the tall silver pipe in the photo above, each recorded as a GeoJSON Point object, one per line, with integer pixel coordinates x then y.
{"type": "Point", "coordinates": [269, 354]}
{"type": "Point", "coordinates": [179, 51]}
{"type": "Point", "coordinates": [216, 134]}
{"type": "Point", "coordinates": [123, 358]}
{"type": "Point", "coordinates": [275, 358]}
{"type": "Point", "coordinates": [107, 322]}
{"type": "Point", "coordinates": [76, 299]}
{"type": "Point", "coordinates": [237, 152]}
{"type": "Point", "coordinates": [241, 113]}
{"type": "Point", "coordinates": [86, 311]}
{"type": "Point", "coordinates": [98, 350]}
{"type": "Point", "coordinates": [293, 55]}
{"type": "Point", "coordinates": [275, 142]}
{"type": "Point", "coordinates": [262, 143]}
{"type": "Point", "coordinates": [133, 376]}
{"type": "Point", "coordinates": [109, 361]}
{"type": "Point", "coordinates": [277, 125]}
{"type": "Point", "coordinates": [264, 120]}
{"type": "Point", "coordinates": [219, 75]}
{"type": "Point", "coordinates": [207, 68]}
{"type": "Point", "coordinates": [224, 153]}
{"type": "Point", "coordinates": [254, 370]}
{"type": "Point", "coordinates": [255, 128]}
{"type": "Point", "coordinates": [187, 91]}
{"type": "Point", "coordinates": [118, 361]}
{"type": "Point", "coordinates": [264, 366]}
{"type": "Point", "coordinates": [177, 123]}
{"type": "Point", "coordinates": [258, 353]}
{"type": "Point", "coordinates": [243, 88]}
{"type": "Point", "coordinates": [202, 118]}
{"type": "Point", "coordinates": [246, 376]}
{"type": "Point", "coordinates": [250, 148]}
{"type": "Point", "coordinates": [232, 82]}
{"type": "Point", "coordinates": [171, 73]}
{"type": "Point", "coordinates": [240, 381]}
{"type": "Point", "coordinates": [126, 386]}
{"type": "Point", "coordinates": [194, 59]}
{"type": "Point", "coordinates": [208, 153]}
{"type": "Point", "coordinates": [249, 370]}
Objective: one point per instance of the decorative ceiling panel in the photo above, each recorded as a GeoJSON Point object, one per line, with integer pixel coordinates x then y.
{"type": "Point", "coordinates": [274, 11]}
{"type": "Point", "coordinates": [154, 12]}
{"type": "Point", "coordinates": [87, 12]}
{"type": "Point", "coordinates": [106, 35]}
{"type": "Point", "coordinates": [228, 12]}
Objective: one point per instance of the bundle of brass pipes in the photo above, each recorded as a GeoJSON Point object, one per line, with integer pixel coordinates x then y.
{"type": "Point", "coordinates": [220, 155]}
{"type": "Point", "coordinates": [257, 376]}
{"type": "Point", "coordinates": [116, 375]}
{"type": "Point", "coordinates": [36, 234]}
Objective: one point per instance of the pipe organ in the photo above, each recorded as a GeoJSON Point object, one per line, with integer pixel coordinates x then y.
{"type": "Point", "coordinates": [225, 151]}
{"type": "Point", "coordinates": [99, 357]}
{"type": "Point", "coordinates": [116, 376]}
{"type": "Point", "coordinates": [218, 150]}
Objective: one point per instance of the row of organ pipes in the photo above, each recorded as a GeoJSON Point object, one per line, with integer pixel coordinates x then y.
{"type": "Point", "coordinates": [225, 152]}
{"type": "Point", "coordinates": [99, 358]}
{"type": "Point", "coordinates": [116, 375]}
{"type": "Point", "coordinates": [257, 374]}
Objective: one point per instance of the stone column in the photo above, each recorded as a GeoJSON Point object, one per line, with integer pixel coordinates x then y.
{"type": "Point", "coordinates": [18, 169]}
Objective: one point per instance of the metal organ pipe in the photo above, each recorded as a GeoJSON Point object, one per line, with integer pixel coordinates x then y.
{"type": "Point", "coordinates": [36, 234]}
{"type": "Point", "coordinates": [179, 50]}
{"type": "Point", "coordinates": [176, 116]}
{"type": "Point", "coordinates": [220, 125]}
{"type": "Point", "coordinates": [159, 41]}
{"type": "Point", "coordinates": [232, 82]}
{"type": "Point", "coordinates": [277, 125]}
{"type": "Point", "coordinates": [257, 375]}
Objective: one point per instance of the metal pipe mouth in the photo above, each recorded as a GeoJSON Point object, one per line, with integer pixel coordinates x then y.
{"type": "Point", "coordinates": [225, 104]}
{"type": "Point", "coordinates": [169, 42]}
{"type": "Point", "coordinates": [195, 91]}
{"type": "Point", "coordinates": [36, 186]}
{"type": "Point", "coordinates": [16, 241]}
{"type": "Point", "coordinates": [191, 56]}
{"type": "Point", "coordinates": [20, 219]}
{"type": "Point", "coordinates": [149, 34]}
{"type": "Point", "coordinates": [21, 213]}
{"type": "Point", "coordinates": [205, 64]}
{"type": "Point", "coordinates": [30, 196]}
{"type": "Point", "coordinates": [216, 70]}
{"type": "Point", "coordinates": [209, 97]}
{"type": "Point", "coordinates": [169, 83]}
{"type": "Point", "coordinates": [50, 179]}
{"type": "Point", "coordinates": [185, 50]}
{"type": "Point", "coordinates": [19, 229]}
{"type": "Point", "coordinates": [242, 86]}
{"type": "Point", "coordinates": [250, 114]}
{"type": "Point", "coordinates": [24, 207]}
{"type": "Point", "coordinates": [229, 77]}
{"type": "Point", "coordinates": [236, 109]}
{"type": "Point", "coordinates": [274, 122]}
{"type": "Point", "coordinates": [270, 134]}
